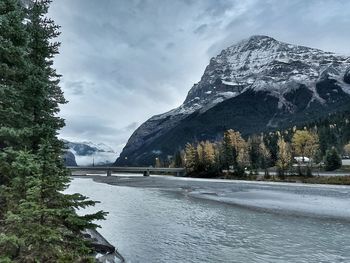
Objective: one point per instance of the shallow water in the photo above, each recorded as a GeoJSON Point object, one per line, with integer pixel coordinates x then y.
{"type": "Point", "coordinates": [151, 225]}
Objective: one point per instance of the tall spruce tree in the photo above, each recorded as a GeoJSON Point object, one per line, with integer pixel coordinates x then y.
{"type": "Point", "coordinates": [332, 160]}
{"type": "Point", "coordinates": [13, 73]}
{"type": "Point", "coordinates": [13, 77]}
{"type": "Point", "coordinates": [44, 92]}
{"type": "Point", "coordinates": [178, 162]}
{"type": "Point", "coordinates": [227, 151]}
{"type": "Point", "coordinates": [235, 151]}
{"type": "Point", "coordinates": [265, 156]}
{"type": "Point", "coordinates": [38, 222]}
{"type": "Point", "coordinates": [254, 143]}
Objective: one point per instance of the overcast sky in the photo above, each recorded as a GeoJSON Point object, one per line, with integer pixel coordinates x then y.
{"type": "Point", "coordinates": [124, 61]}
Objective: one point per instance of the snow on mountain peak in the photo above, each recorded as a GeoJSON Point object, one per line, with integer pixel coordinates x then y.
{"type": "Point", "coordinates": [263, 63]}
{"type": "Point", "coordinates": [101, 147]}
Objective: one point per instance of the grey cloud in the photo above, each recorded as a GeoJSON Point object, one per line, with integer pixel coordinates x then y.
{"type": "Point", "coordinates": [124, 61]}
{"type": "Point", "coordinates": [201, 29]}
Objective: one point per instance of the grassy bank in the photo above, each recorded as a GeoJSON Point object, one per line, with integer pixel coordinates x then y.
{"type": "Point", "coordinates": [335, 180]}
{"type": "Point", "coordinates": [338, 180]}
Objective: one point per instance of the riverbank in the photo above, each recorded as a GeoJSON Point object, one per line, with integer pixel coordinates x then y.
{"type": "Point", "coordinates": [326, 201]}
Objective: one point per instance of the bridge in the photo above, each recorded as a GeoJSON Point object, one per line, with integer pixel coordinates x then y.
{"type": "Point", "coordinates": [146, 171]}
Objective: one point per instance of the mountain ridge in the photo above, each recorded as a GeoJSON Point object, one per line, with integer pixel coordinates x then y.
{"type": "Point", "coordinates": [88, 153]}
{"type": "Point", "coordinates": [295, 78]}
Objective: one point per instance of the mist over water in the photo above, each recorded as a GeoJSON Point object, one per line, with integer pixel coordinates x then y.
{"type": "Point", "coordinates": [150, 225]}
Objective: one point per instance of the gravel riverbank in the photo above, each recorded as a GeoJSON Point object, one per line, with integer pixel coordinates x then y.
{"type": "Point", "coordinates": [287, 198]}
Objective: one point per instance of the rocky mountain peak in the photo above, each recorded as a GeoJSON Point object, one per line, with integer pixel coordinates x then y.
{"type": "Point", "coordinates": [290, 79]}
{"type": "Point", "coordinates": [256, 42]}
{"type": "Point", "coordinates": [262, 63]}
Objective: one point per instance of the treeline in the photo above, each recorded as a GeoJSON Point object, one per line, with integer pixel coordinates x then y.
{"type": "Point", "coordinates": [38, 223]}
{"type": "Point", "coordinates": [318, 143]}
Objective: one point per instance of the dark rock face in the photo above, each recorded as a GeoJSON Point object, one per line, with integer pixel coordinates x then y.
{"type": "Point", "coordinates": [256, 85]}
{"type": "Point", "coordinates": [69, 159]}
{"type": "Point", "coordinates": [299, 98]}
{"type": "Point", "coordinates": [330, 91]}
{"type": "Point", "coordinates": [347, 76]}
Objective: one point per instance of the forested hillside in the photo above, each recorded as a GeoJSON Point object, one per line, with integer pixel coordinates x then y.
{"type": "Point", "coordinates": [322, 141]}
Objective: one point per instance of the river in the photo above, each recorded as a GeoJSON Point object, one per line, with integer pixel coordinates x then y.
{"type": "Point", "coordinates": [198, 223]}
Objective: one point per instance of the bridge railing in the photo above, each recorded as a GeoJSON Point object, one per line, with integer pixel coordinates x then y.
{"type": "Point", "coordinates": [146, 171]}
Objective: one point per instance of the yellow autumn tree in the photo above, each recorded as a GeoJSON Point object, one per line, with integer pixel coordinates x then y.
{"type": "Point", "coordinates": [305, 144]}
{"type": "Point", "coordinates": [237, 141]}
{"type": "Point", "coordinates": [190, 157]}
{"type": "Point", "coordinates": [284, 156]}
{"type": "Point", "coordinates": [208, 154]}
{"type": "Point", "coordinates": [200, 156]}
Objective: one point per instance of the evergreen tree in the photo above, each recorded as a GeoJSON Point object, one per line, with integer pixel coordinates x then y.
{"type": "Point", "coordinates": [13, 72]}
{"type": "Point", "coordinates": [227, 151]}
{"type": "Point", "coordinates": [235, 151]}
{"type": "Point", "coordinates": [254, 152]}
{"type": "Point", "coordinates": [265, 156]}
{"type": "Point", "coordinates": [44, 94]}
{"type": "Point", "coordinates": [178, 162]}
{"type": "Point", "coordinates": [327, 139]}
{"type": "Point", "coordinates": [271, 142]}
{"type": "Point", "coordinates": [332, 160]}
{"type": "Point", "coordinates": [38, 221]}
{"type": "Point", "coordinates": [41, 218]}
{"type": "Point", "coordinates": [13, 64]}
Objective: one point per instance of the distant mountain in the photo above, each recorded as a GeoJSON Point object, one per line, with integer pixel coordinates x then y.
{"type": "Point", "coordinates": [256, 85]}
{"type": "Point", "coordinates": [69, 159]}
{"type": "Point", "coordinates": [87, 153]}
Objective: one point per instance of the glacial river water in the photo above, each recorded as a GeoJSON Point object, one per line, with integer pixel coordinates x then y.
{"type": "Point", "coordinates": [155, 225]}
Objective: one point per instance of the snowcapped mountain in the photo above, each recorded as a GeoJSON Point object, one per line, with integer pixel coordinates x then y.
{"type": "Point", "coordinates": [87, 153]}
{"type": "Point", "coordinates": [280, 83]}
{"type": "Point", "coordinates": [263, 63]}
